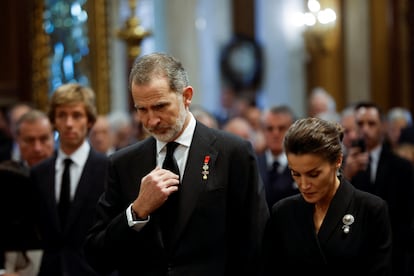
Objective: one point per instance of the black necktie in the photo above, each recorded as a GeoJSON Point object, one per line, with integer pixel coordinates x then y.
{"type": "Point", "coordinates": [170, 207]}
{"type": "Point", "coordinates": [273, 173]}
{"type": "Point", "coordinates": [271, 190]}
{"type": "Point", "coordinates": [64, 200]}
{"type": "Point", "coordinates": [369, 169]}
{"type": "Point", "coordinates": [169, 162]}
{"type": "Point", "coordinates": [366, 176]}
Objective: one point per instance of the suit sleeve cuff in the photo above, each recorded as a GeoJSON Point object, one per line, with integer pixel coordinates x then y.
{"type": "Point", "coordinates": [137, 225]}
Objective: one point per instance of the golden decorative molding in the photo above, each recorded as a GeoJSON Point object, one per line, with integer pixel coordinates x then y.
{"type": "Point", "coordinates": [98, 35]}
{"type": "Point", "coordinates": [40, 58]}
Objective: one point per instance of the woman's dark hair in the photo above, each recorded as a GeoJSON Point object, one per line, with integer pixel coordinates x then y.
{"type": "Point", "coordinates": [315, 136]}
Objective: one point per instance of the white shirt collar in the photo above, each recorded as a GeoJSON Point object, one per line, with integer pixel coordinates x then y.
{"type": "Point", "coordinates": [270, 158]}
{"type": "Point", "coordinates": [185, 138]}
{"type": "Point", "coordinates": [79, 157]}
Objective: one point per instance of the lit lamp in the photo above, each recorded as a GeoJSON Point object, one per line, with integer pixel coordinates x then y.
{"type": "Point", "coordinates": [132, 33]}
{"type": "Point", "coordinates": [318, 24]}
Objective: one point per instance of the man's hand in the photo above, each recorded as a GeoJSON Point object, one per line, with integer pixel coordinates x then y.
{"type": "Point", "coordinates": [155, 189]}
{"type": "Point", "coordinates": [355, 161]}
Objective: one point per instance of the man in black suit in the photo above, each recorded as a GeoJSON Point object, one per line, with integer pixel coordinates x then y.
{"type": "Point", "coordinates": [34, 138]}
{"type": "Point", "coordinates": [273, 164]}
{"type": "Point", "coordinates": [64, 218]}
{"type": "Point", "coordinates": [385, 174]}
{"type": "Point", "coordinates": [220, 208]}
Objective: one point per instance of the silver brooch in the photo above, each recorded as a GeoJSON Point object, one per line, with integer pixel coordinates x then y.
{"type": "Point", "coordinates": [347, 220]}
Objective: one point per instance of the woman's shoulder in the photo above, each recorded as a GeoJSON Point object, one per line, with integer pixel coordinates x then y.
{"type": "Point", "coordinates": [368, 199]}
{"type": "Point", "coordinates": [289, 203]}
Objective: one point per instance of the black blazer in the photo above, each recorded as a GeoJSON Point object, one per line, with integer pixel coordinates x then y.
{"type": "Point", "coordinates": [283, 187]}
{"type": "Point", "coordinates": [18, 230]}
{"type": "Point", "coordinates": [63, 248]}
{"type": "Point", "coordinates": [292, 245]}
{"type": "Point", "coordinates": [220, 222]}
{"type": "Point", "coordinates": [394, 183]}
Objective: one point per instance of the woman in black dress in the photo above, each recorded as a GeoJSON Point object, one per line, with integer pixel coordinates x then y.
{"type": "Point", "coordinates": [330, 228]}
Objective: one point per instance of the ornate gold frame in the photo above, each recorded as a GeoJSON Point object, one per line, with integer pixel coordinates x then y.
{"type": "Point", "coordinates": [99, 70]}
{"type": "Point", "coordinates": [98, 30]}
{"type": "Point", "coordinates": [40, 58]}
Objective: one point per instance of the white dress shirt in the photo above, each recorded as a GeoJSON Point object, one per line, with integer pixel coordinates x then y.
{"type": "Point", "coordinates": [79, 158]}
{"type": "Point", "coordinates": [180, 155]}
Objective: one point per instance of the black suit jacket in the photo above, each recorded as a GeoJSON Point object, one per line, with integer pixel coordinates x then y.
{"type": "Point", "coordinates": [394, 183]}
{"type": "Point", "coordinates": [292, 245]}
{"type": "Point", "coordinates": [284, 185]}
{"type": "Point", "coordinates": [220, 219]}
{"type": "Point", "coordinates": [18, 230]}
{"type": "Point", "coordinates": [6, 146]}
{"type": "Point", "coordinates": [63, 248]}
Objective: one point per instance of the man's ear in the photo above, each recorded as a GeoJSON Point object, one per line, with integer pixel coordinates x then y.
{"type": "Point", "coordinates": [188, 95]}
